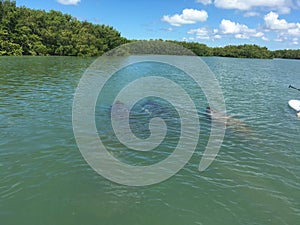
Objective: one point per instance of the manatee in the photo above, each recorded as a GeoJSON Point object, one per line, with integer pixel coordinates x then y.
{"type": "Point", "coordinates": [230, 121]}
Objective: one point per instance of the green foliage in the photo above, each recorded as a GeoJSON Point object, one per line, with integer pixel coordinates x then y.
{"type": "Point", "coordinates": [25, 31]}
{"type": "Point", "coordinates": [152, 47]}
{"type": "Point", "coordinates": [243, 51]}
{"type": "Point", "coordinates": [236, 51]}
{"type": "Point", "coordinates": [198, 48]}
{"type": "Point", "coordinates": [287, 54]}
{"type": "Point", "coordinates": [7, 48]}
{"type": "Point", "coordinates": [180, 48]}
{"type": "Point", "coordinates": [239, 51]}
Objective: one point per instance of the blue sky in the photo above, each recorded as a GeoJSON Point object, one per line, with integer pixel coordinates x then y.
{"type": "Point", "coordinates": [271, 23]}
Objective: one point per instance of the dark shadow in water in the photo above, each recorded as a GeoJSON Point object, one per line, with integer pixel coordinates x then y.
{"type": "Point", "coordinates": [139, 117]}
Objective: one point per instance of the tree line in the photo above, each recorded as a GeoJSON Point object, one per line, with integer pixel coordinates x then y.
{"type": "Point", "coordinates": [236, 51]}
{"type": "Point", "coordinates": [25, 31]}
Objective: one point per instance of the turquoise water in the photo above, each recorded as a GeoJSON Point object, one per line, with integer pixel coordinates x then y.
{"type": "Point", "coordinates": [44, 179]}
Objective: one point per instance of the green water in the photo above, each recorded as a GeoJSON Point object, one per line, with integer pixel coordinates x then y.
{"type": "Point", "coordinates": [45, 180]}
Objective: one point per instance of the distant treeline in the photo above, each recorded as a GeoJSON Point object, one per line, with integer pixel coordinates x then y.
{"type": "Point", "coordinates": [26, 31]}
{"type": "Point", "coordinates": [237, 51]}
{"type": "Point", "coordinates": [241, 51]}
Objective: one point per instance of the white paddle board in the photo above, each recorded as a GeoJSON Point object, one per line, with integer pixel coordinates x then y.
{"type": "Point", "coordinates": [295, 104]}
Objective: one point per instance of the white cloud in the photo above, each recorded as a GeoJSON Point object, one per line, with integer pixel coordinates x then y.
{"type": "Point", "coordinates": [204, 33]}
{"type": "Point", "coordinates": [272, 22]}
{"type": "Point", "coordinates": [170, 29]}
{"type": "Point", "coordinates": [251, 14]}
{"type": "Point", "coordinates": [68, 2]}
{"type": "Point", "coordinates": [201, 33]}
{"type": "Point", "coordinates": [295, 31]}
{"type": "Point", "coordinates": [217, 36]}
{"type": "Point", "coordinates": [188, 16]}
{"type": "Point", "coordinates": [283, 6]}
{"type": "Point", "coordinates": [259, 34]}
{"type": "Point", "coordinates": [287, 32]}
{"type": "Point", "coordinates": [204, 2]}
{"type": "Point", "coordinates": [229, 27]}
{"type": "Point", "coordinates": [188, 39]}
{"type": "Point", "coordinates": [278, 39]}
{"type": "Point", "coordinates": [240, 31]}
{"type": "Point", "coordinates": [295, 41]}
{"type": "Point", "coordinates": [241, 36]}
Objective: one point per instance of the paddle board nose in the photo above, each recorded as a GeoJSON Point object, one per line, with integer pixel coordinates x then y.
{"type": "Point", "coordinates": [295, 104]}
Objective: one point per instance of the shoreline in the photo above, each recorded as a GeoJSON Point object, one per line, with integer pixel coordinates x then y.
{"type": "Point", "coordinates": [81, 57]}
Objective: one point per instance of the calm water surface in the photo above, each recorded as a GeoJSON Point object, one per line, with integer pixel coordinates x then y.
{"type": "Point", "coordinates": [45, 180]}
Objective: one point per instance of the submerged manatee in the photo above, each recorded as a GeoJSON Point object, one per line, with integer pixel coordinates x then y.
{"type": "Point", "coordinates": [119, 109]}
{"type": "Point", "coordinates": [231, 122]}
